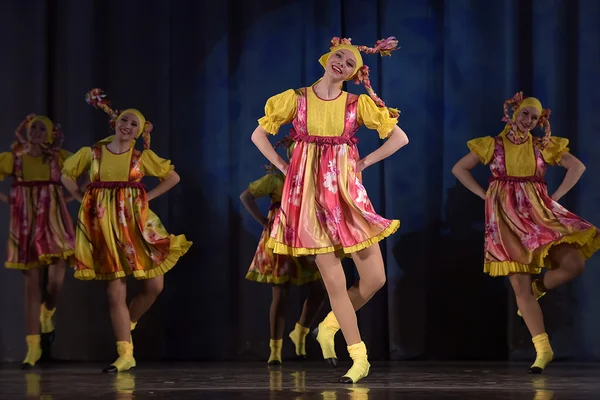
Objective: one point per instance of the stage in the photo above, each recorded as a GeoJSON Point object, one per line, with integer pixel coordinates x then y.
{"type": "Point", "coordinates": [297, 380]}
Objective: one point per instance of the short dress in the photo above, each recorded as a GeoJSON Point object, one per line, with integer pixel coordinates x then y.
{"type": "Point", "coordinates": [41, 229]}
{"type": "Point", "coordinates": [522, 221]}
{"type": "Point", "coordinates": [117, 233]}
{"type": "Point", "coordinates": [266, 266]}
{"type": "Point", "coordinates": [325, 207]}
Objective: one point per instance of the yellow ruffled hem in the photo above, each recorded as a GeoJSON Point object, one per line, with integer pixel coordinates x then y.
{"type": "Point", "coordinates": [505, 268]}
{"type": "Point", "coordinates": [588, 241]}
{"type": "Point", "coordinates": [179, 246]}
{"type": "Point", "coordinates": [65, 255]}
{"type": "Point", "coordinates": [24, 266]}
{"type": "Point", "coordinates": [280, 280]}
{"type": "Point", "coordinates": [280, 248]}
{"type": "Point", "coordinates": [269, 126]}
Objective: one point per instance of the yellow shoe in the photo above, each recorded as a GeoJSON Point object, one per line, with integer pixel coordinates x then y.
{"type": "Point", "coordinates": [125, 361]}
{"type": "Point", "coordinates": [275, 357]}
{"type": "Point", "coordinates": [360, 366]}
{"type": "Point", "coordinates": [46, 315]}
{"type": "Point", "coordinates": [34, 351]}
{"type": "Point", "coordinates": [544, 353]}
{"type": "Point", "coordinates": [298, 336]}
{"type": "Point", "coordinates": [326, 335]}
{"type": "Point", "coordinates": [537, 293]}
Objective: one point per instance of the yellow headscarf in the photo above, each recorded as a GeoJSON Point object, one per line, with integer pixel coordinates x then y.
{"type": "Point", "coordinates": [359, 61]}
{"type": "Point", "coordinates": [47, 123]}
{"type": "Point", "coordinates": [529, 102]}
{"type": "Point", "coordinates": [134, 112]}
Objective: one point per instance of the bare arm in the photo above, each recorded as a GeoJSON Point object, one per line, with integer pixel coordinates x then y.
{"type": "Point", "coordinates": [73, 188]}
{"type": "Point", "coordinates": [575, 169]}
{"type": "Point", "coordinates": [4, 198]}
{"type": "Point", "coordinates": [164, 186]}
{"type": "Point", "coordinates": [260, 139]}
{"type": "Point", "coordinates": [395, 141]}
{"type": "Point", "coordinates": [250, 203]}
{"type": "Point", "coordinates": [462, 172]}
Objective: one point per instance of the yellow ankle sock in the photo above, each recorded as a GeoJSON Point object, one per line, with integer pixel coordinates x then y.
{"type": "Point", "coordinates": [544, 353]}
{"type": "Point", "coordinates": [298, 336]}
{"type": "Point", "coordinates": [327, 330]}
{"type": "Point", "coordinates": [275, 345]}
{"type": "Point", "coordinates": [47, 325]}
{"type": "Point", "coordinates": [360, 365]}
{"type": "Point", "coordinates": [132, 326]}
{"type": "Point", "coordinates": [34, 350]}
{"type": "Point", "coordinates": [125, 360]}
{"type": "Point", "coordinates": [536, 292]}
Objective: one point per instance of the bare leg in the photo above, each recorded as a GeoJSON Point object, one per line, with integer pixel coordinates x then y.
{"type": "Point", "coordinates": [571, 264]}
{"type": "Point", "coordinates": [119, 314]}
{"type": "Point", "coordinates": [277, 311]}
{"type": "Point", "coordinates": [310, 309]}
{"type": "Point", "coordinates": [142, 302]}
{"type": "Point", "coordinates": [371, 270]}
{"type": "Point", "coordinates": [313, 303]}
{"type": "Point", "coordinates": [335, 283]}
{"type": "Point", "coordinates": [369, 264]}
{"type": "Point", "coordinates": [532, 315]}
{"type": "Point", "coordinates": [530, 308]}
{"type": "Point", "coordinates": [277, 321]}
{"type": "Point", "coordinates": [33, 300]}
{"type": "Point", "coordinates": [56, 277]}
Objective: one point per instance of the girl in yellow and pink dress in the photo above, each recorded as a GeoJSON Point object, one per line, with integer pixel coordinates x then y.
{"type": "Point", "coordinates": [117, 234]}
{"type": "Point", "coordinates": [41, 230]}
{"type": "Point", "coordinates": [527, 230]}
{"type": "Point", "coordinates": [280, 270]}
{"type": "Point", "coordinates": [325, 210]}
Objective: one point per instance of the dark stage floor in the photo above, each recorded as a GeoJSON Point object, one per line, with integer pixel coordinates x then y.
{"type": "Point", "coordinates": [297, 380]}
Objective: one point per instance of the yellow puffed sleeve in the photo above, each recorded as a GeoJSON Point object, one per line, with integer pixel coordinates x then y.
{"type": "Point", "coordinates": [555, 149]}
{"type": "Point", "coordinates": [62, 156]}
{"type": "Point", "coordinates": [374, 117]}
{"type": "Point", "coordinates": [483, 147]}
{"type": "Point", "coordinates": [77, 164]}
{"type": "Point", "coordinates": [270, 184]}
{"type": "Point", "coordinates": [6, 164]}
{"type": "Point", "coordinates": [153, 165]}
{"type": "Point", "coordinates": [279, 110]}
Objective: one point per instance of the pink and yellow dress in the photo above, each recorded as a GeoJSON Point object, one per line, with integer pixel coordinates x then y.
{"type": "Point", "coordinates": [522, 221]}
{"type": "Point", "coordinates": [266, 266]}
{"type": "Point", "coordinates": [324, 206]}
{"type": "Point", "coordinates": [117, 234]}
{"type": "Point", "coordinates": [41, 229]}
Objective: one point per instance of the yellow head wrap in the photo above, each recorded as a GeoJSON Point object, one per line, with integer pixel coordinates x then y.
{"type": "Point", "coordinates": [47, 123]}
{"type": "Point", "coordinates": [530, 102]}
{"type": "Point", "coordinates": [134, 112]}
{"type": "Point", "coordinates": [359, 61]}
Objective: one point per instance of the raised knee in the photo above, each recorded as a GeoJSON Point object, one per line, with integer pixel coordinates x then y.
{"type": "Point", "coordinates": [375, 282]}
{"type": "Point", "coordinates": [155, 289]}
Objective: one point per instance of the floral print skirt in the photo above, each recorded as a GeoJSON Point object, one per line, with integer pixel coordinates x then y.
{"type": "Point", "coordinates": [118, 235]}
{"type": "Point", "coordinates": [325, 207]}
{"type": "Point", "coordinates": [522, 225]}
{"type": "Point", "coordinates": [41, 229]}
{"type": "Point", "coordinates": [278, 269]}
